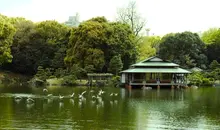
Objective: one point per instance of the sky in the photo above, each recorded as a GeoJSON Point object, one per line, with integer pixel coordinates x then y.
{"type": "Point", "coordinates": [162, 16]}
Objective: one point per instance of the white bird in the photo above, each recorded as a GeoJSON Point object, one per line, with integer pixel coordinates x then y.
{"type": "Point", "coordinates": [193, 86]}
{"type": "Point", "coordinates": [50, 95]}
{"type": "Point", "coordinates": [116, 94]}
{"type": "Point", "coordinates": [61, 97]}
{"type": "Point", "coordinates": [83, 92]}
{"type": "Point", "coordinates": [93, 97]}
{"type": "Point", "coordinates": [30, 100]}
{"type": "Point", "coordinates": [111, 94]}
{"type": "Point", "coordinates": [91, 91]}
{"type": "Point", "coordinates": [45, 90]}
{"type": "Point", "coordinates": [101, 92]}
{"type": "Point", "coordinates": [18, 98]}
{"type": "Point", "coordinates": [72, 95]}
{"type": "Point", "coordinates": [80, 96]}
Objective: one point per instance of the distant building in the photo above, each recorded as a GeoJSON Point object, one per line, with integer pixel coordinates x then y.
{"type": "Point", "coordinates": [73, 21]}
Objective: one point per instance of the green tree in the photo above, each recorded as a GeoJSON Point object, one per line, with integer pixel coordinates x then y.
{"type": "Point", "coordinates": [213, 51]}
{"type": "Point", "coordinates": [211, 35]}
{"type": "Point", "coordinates": [115, 65]}
{"type": "Point", "coordinates": [148, 46]}
{"type": "Point", "coordinates": [212, 38]}
{"type": "Point", "coordinates": [214, 65]}
{"type": "Point", "coordinates": [186, 49]}
{"type": "Point", "coordinates": [42, 44]}
{"type": "Point", "coordinates": [96, 41]}
{"type": "Point", "coordinates": [7, 32]}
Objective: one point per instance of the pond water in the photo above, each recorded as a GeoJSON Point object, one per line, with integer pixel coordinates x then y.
{"type": "Point", "coordinates": [135, 109]}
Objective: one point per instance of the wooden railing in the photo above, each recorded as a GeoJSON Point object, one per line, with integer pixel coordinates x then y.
{"type": "Point", "coordinates": [150, 81]}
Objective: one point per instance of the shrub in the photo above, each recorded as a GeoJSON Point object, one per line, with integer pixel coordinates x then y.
{"type": "Point", "coordinates": [69, 80]}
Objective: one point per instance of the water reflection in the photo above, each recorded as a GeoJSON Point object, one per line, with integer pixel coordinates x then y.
{"type": "Point", "coordinates": [114, 109]}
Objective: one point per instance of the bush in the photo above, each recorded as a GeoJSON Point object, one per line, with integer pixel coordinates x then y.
{"type": "Point", "coordinates": [115, 81]}
{"type": "Point", "coordinates": [198, 78]}
{"type": "Point", "coordinates": [69, 80]}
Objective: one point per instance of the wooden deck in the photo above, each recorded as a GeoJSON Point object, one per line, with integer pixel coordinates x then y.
{"type": "Point", "coordinates": [160, 84]}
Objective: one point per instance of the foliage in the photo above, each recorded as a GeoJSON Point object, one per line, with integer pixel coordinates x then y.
{"type": "Point", "coordinates": [115, 81]}
{"type": "Point", "coordinates": [69, 80]}
{"type": "Point", "coordinates": [43, 44]}
{"type": "Point", "coordinates": [43, 74]}
{"type": "Point", "coordinates": [148, 47]}
{"type": "Point", "coordinates": [198, 78]}
{"type": "Point", "coordinates": [7, 32]}
{"type": "Point", "coordinates": [213, 51]}
{"type": "Point", "coordinates": [60, 72]}
{"type": "Point", "coordinates": [214, 65]}
{"type": "Point", "coordinates": [115, 65]}
{"type": "Point", "coordinates": [96, 41]}
{"type": "Point", "coordinates": [185, 49]}
{"type": "Point", "coordinates": [77, 71]}
{"type": "Point", "coordinates": [212, 38]}
{"type": "Point", "coordinates": [214, 74]}
{"type": "Point", "coordinates": [100, 46]}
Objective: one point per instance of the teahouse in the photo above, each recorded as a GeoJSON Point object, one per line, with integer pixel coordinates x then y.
{"type": "Point", "coordinates": [155, 72]}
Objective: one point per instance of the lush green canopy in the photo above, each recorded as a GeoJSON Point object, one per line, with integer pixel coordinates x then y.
{"type": "Point", "coordinates": [186, 49]}
{"type": "Point", "coordinates": [212, 38]}
{"type": "Point", "coordinates": [96, 41]}
{"type": "Point", "coordinates": [7, 32]}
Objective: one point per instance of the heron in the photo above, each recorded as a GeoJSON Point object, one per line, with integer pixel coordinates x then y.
{"type": "Point", "coordinates": [83, 92]}
{"type": "Point", "coordinates": [18, 98]}
{"type": "Point", "coordinates": [50, 95]}
{"type": "Point", "coordinates": [30, 100]}
{"type": "Point", "coordinates": [45, 90]}
{"type": "Point", "coordinates": [72, 95]}
{"type": "Point", "coordinates": [61, 97]}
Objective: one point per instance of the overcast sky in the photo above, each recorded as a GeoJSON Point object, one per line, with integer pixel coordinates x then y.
{"type": "Point", "coordinates": [163, 16]}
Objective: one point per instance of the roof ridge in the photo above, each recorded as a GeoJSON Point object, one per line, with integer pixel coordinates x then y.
{"type": "Point", "coordinates": [148, 59]}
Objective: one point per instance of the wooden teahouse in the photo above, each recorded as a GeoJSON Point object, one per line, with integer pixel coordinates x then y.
{"type": "Point", "coordinates": [155, 72]}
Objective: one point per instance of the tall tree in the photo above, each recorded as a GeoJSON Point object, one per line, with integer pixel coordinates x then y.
{"type": "Point", "coordinates": [186, 49]}
{"type": "Point", "coordinates": [42, 44]}
{"type": "Point", "coordinates": [212, 38]}
{"type": "Point", "coordinates": [132, 17]}
{"type": "Point", "coordinates": [7, 32]}
{"type": "Point", "coordinates": [115, 65]}
{"type": "Point", "coordinates": [96, 41]}
{"type": "Point", "coordinates": [211, 35]}
{"type": "Point", "coordinates": [148, 46]}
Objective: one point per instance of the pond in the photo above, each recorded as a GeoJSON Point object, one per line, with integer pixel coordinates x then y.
{"type": "Point", "coordinates": [115, 108]}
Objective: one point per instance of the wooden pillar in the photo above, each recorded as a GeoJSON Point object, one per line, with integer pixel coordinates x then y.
{"type": "Point", "coordinates": [132, 77]}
